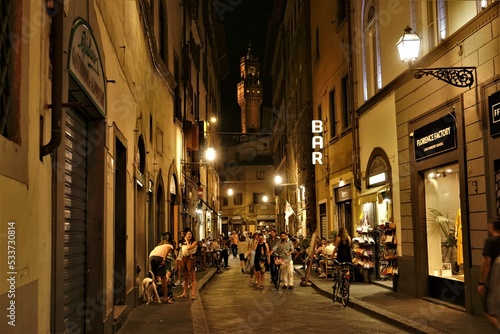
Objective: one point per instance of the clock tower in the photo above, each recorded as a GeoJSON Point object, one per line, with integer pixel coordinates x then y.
{"type": "Point", "coordinates": [250, 93]}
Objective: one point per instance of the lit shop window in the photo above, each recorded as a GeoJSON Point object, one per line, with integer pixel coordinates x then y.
{"type": "Point", "coordinates": [444, 224]}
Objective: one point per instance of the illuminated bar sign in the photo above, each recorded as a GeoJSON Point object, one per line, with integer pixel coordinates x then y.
{"type": "Point", "coordinates": [494, 114]}
{"type": "Point", "coordinates": [436, 137]}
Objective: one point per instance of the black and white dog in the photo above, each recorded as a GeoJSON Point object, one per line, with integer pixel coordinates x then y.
{"type": "Point", "coordinates": [149, 289]}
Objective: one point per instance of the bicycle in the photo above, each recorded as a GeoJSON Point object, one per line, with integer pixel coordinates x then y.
{"type": "Point", "coordinates": [342, 284]}
{"type": "Point", "coordinates": [278, 261]}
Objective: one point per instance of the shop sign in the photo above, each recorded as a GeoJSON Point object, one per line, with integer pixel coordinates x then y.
{"type": "Point", "coordinates": [236, 217]}
{"type": "Point", "coordinates": [266, 217]}
{"type": "Point", "coordinates": [494, 114]}
{"type": "Point", "coordinates": [343, 194]}
{"type": "Point", "coordinates": [85, 65]}
{"type": "Point", "coordinates": [436, 137]}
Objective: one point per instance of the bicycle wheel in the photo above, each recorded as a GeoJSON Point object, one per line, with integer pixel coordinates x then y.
{"type": "Point", "coordinates": [334, 287]}
{"type": "Point", "coordinates": [277, 278]}
{"type": "Point", "coordinates": [344, 292]}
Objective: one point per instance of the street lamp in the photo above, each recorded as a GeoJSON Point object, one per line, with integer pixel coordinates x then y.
{"type": "Point", "coordinates": [278, 180]}
{"type": "Point", "coordinates": [408, 48]}
{"type": "Point", "coordinates": [210, 154]}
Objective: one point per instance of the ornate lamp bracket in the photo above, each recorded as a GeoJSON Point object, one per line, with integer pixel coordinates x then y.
{"type": "Point", "coordinates": [455, 76]}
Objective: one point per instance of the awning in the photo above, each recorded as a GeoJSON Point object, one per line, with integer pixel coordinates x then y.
{"type": "Point", "coordinates": [370, 195]}
{"type": "Point", "coordinates": [208, 206]}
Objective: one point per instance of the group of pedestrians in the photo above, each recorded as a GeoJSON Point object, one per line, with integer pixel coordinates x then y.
{"type": "Point", "coordinates": [165, 258]}
{"type": "Point", "coordinates": [257, 254]}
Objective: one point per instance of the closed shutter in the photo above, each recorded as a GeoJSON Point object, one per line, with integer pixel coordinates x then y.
{"type": "Point", "coordinates": [75, 222]}
{"type": "Point", "coordinates": [324, 221]}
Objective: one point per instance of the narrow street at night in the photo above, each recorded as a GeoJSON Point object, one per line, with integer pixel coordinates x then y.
{"type": "Point", "coordinates": [233, 305]}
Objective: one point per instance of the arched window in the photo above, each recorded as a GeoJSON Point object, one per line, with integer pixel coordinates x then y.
{"type": "Point", "coordinates": [372, 72]}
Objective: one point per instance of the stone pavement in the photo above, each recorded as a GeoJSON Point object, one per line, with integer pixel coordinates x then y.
{"type": "Point", "coordinates": [183, 316]}
{"type": "Point", "coordinates": [410, 314]}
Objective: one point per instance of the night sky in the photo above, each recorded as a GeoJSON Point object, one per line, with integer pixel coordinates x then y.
{"type": "Point", "coordinates": [244, 21]}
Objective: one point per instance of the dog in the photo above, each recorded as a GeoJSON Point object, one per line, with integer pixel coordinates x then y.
{"type": "Point", "coordinates": [149, 291]}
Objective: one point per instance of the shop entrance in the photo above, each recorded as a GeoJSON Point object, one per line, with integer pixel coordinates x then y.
{"type": "Point", "coordinates": [444, 234]}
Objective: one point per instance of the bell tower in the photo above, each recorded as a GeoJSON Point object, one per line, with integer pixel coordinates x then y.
{"type": "Point", "coordinates": [250, 93]}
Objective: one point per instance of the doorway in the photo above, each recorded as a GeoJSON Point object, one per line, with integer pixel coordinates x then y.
{"type": "Point", "coordinates": [120, 228]}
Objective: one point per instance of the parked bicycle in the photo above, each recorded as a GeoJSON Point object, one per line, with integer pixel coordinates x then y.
{"type": "Point", "coordinates": [342, 282]}
{"type": "Point", "coordinates": [276, 275]}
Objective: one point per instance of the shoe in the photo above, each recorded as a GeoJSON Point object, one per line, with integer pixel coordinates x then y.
{"type": "Point", "coordinates": [242, 271]}
{"type": "Point", "coordinates": [322, 275]}
{"type": "Point", "coordinates": [290, 287]}
{"type": "Point", "coordinates": [178, 282]}
{"type": "Point", "coordinates": [193, 297]}
{"type": "Point", "coordinates": [181, 296]}
{"type": "Point", "coordinates": [284, 287]}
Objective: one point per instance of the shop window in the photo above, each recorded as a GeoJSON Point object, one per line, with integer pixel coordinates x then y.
{"type": "Point", "coordinates": [443, 222]}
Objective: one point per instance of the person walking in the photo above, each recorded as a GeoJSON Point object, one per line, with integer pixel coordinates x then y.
{"type": "Point", "coordinates": [489, 276]}
{"type": "Point", "coordinates": [285, 249]}
{"type": "Point", "coordinates": [272, 241]}
{"type": "Point", "coordinates": [262, 259]}
{"type": "Point", "coordinates": [253, 246]}
{"type": "Point", "coordinates": [243, 250]}
{"type": "Point", "coordinates": [188, 248]}
{"type": "Point", "coordinates": [234, 244]}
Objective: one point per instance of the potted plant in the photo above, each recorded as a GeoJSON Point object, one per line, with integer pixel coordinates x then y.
{"type": "Point", "coordinates": [445, 227]}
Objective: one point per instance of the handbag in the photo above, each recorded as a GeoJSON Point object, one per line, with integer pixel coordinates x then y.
{"type": "Point", "coordinates": [278, 260]}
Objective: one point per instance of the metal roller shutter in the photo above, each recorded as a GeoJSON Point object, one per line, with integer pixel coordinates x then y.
{"type": "Point", "coordinates": [75, 222]}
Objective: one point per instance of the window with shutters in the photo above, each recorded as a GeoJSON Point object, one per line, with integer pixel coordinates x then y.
{"type": "Point", "coordinates": [13, 125]}
{"type": "Point", "coordinates": [9, 80]}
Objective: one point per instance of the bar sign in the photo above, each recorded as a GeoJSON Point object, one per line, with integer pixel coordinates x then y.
{"type": "Point", "coordinates": [494, 107]}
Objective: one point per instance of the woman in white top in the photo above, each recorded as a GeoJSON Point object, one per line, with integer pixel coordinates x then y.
{"type": "Point", "coordinates": [251, 250]}
{"type": "Point", "coordinates": [243, 248]}
{"type": "Point", "coordinates": [188, 248]}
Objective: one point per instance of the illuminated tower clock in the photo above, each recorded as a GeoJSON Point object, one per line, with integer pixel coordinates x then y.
{"type": "Point", "coordinates": [250, 93]}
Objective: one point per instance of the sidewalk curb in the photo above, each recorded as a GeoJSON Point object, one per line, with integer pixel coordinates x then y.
{"type": "Point", "coordinates": [379, 313]}
{"type": "Point", "coordinates": [198, 318]}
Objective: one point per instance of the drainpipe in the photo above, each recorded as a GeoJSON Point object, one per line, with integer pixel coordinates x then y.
{"type": "Point", "coordinates": [57, 80]}
{"type": "Point", "coordinates": [354, 119]}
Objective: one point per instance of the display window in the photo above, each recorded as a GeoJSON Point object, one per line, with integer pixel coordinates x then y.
{"type": "Point", "coordinates": [443, 222]}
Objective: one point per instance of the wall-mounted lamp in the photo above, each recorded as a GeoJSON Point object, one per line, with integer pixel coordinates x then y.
{"type": "Point", "coordinates": [341, 182]}
{"type": "Point", "coordinates": [409, 47]}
